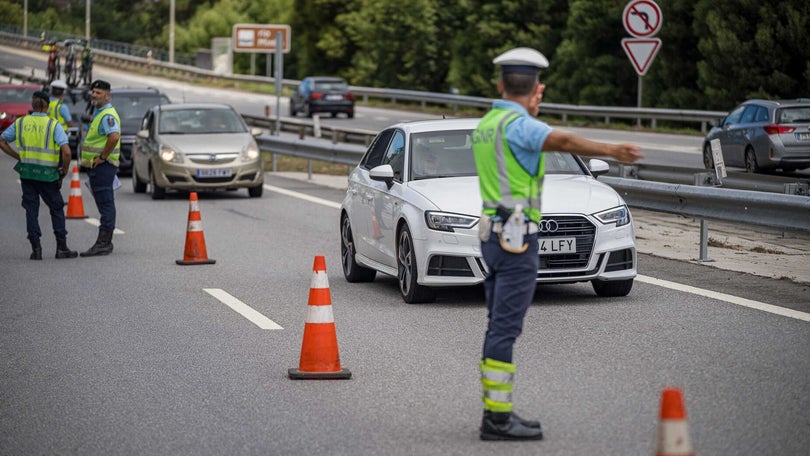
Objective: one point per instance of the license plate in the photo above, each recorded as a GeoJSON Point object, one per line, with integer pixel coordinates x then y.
{"type": "Point", "coordinates": [214, 172]}
{"type": "Point", "coordinates": [334, 97]}
{"type": "Point", "coordinates": [803, 136]}
{"type": "Point", "coordinates": [557, 246]}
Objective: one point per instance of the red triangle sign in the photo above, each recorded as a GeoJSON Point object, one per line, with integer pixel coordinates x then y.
{"type": "Point", "coordinates": [641, 52]}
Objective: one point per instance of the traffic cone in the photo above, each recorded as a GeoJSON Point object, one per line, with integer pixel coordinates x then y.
{"type": "Point", "coordinates": [195, 239]}
{"type": "Point", "coordinates": [75, 207]}
{"type": "Point", "coordinates": [319, 351]}
{"type": "Point", "coordinates": [673, 431]}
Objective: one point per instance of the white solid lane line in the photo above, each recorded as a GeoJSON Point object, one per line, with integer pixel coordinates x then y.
{"type": "Point", "coordinates": [790, 313]}
{"type": "Point", "coordinates": [651, 280]}
{"type": "Point", "coordinates": [302, 196]}
{"type": "Point", "coordinates": [242, 309]}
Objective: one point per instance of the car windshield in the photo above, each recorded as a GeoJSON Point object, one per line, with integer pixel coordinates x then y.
{"type": "Point", "coordinates": [331, 85]}
{"type": "Point", "coordinates": [16, 95]}
{"type": "Point", "coordinates": [438, 154]}
{"type": "Point", "coordinates": [133, 107]}
{"type": "Point", "coordinates": [200, 121]}
{"type": "Point", "coordinates": [799, 114]}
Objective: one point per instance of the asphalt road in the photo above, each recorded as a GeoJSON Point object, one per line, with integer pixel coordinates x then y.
{"type": "Point", "coordinates": [128, 354]}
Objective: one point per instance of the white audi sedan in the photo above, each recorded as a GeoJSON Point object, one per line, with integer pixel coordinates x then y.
{"type": "Point", "coordinates": [412, 207]}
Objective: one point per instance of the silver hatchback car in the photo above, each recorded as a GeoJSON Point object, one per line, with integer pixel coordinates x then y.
{"type": "Point", "coordinates": [196, 147]}
{"type": "Point", "coordinates": [761, 135]}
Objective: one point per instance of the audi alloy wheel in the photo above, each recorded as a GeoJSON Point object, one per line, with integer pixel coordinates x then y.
{"type": "Point", "coordinates": [407, 273]}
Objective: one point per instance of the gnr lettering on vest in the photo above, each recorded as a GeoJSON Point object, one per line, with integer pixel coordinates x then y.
{"type": "Point", "coordinates": [483, 136]}
{"type": "Point", "coordinates": [33, 128]}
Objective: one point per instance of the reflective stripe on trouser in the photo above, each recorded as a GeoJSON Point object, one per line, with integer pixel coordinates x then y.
{"type": "Point", "coordinates": [496, 381]}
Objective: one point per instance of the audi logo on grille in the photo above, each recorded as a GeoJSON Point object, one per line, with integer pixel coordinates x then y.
{"type": "Point", "coordinates": [548, 226]}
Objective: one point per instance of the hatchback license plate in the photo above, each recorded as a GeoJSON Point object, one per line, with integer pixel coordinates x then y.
{"type": "Point", "coordinates": [334, 97]}
{"type": "Point", "coordinates": [214, 172]}
{"type": "Point", "coordinates": [557, 246]}
{"type": "Point", "coordinates": [803, 136]}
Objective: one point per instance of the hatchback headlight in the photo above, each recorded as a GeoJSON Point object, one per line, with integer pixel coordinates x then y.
{"type": "Point", "coordinates": [618, 215]}
{"type": "Point", "coordinates": [445, 221]}
{"type": "Point", "coordinates": [168, 154]}
{"type": "Point", "coordinates": [251, 152]}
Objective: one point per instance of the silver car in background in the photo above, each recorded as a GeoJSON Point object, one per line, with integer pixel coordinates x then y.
{"type": "Point", "coordinates": [196, 147]}
{"type": "Point", "coordinates": [763, 135]}
{"type": "Point", "coordinates": [412, 206]}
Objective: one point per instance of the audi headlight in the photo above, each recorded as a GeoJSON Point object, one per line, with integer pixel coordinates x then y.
{"type": "Point", "coordinates": [168, 154]}
{"type": "Point", "coordinates": [618, 215]}
{"type": "Point", "coordinates": [445, 221]}
{"type": "Point", "coordinates": [251, 152]}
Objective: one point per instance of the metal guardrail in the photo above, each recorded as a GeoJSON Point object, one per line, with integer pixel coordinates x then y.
{"type": "Point", "coordinates": [789, 212]}
{"type": "Point", "coordinates": [307, 128]}
{"type": "Point", "coordinates": [129, 62]}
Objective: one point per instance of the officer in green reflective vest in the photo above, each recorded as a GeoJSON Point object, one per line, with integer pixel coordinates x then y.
{"type": "Point", "coordinates": [57, 109]}
{"type": "Point", "coordinates": [508, 145]}
{"type": "Point", "coordinates": [100, 155]}
{"type": "Point", "coordinates": [43, 157]}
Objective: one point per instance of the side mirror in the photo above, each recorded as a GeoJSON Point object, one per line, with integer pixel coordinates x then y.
{"type": "Point", "coordinates": [598, 167]}
{"type": "Point", "coordinates": [143, 134]}
{"type": "Point", "coordinates": [256, 131]}
{"type": "Point", "coordinates": [383, 173]}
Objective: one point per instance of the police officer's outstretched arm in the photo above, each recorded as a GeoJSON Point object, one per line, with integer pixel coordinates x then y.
{"type": "Point", "coordinates": [575, 144]}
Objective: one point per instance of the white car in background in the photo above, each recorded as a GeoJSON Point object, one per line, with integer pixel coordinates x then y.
{"type": "Point", "coordinates": [412, 206]}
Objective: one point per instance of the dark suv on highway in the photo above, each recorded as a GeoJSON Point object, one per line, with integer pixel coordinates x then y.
{"type": "Point", "coordinates": [318, 94]}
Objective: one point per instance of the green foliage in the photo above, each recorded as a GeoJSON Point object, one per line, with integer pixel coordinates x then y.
{"type": "Point", "coordinates": [714, 54]}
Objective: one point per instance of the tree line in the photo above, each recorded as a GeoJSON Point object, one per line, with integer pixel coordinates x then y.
{"type": "Point", "coordinates": [714, 54]}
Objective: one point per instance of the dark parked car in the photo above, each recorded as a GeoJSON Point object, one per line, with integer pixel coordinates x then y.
{"type": "Point", "coordinates": [131, 105]}
{"type": "Point", "coordinates": [761, 135]}
{"type": "Point", "coordinates": [322, 94]}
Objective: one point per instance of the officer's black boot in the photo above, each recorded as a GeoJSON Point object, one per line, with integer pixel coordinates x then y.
{"type": "Point", "coordinates": [103, 245]}
{"type": "Point", "coordinates": [505, 426]}
{"type": "Point", "coordinates": [36, 250]}
{"type": "Point", "coordinates": [62, 250]}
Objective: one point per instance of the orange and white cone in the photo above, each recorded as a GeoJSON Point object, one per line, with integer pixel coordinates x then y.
{"type": "Point", "coordinates": [673, 431]}
{"type": "Point", "coordinates": [319, 351]}
{"type": "Point", "coordinates": [75, 207]}
{"type": "Point", "coordinates": [195, 252]}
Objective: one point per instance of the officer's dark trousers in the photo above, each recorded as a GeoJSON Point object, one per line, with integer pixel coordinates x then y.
{"type": "Point", "coordinates": [32, 190]}
{"type": "Point", "coordinates": [101, 181]}
{"type": "Point", "coordinates": [509, 289]}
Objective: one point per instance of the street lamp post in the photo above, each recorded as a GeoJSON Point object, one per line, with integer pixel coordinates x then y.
{"type": "Point", "coordinates": [87, 20]}
{"type": "Point", "coordinates": [171, 32]}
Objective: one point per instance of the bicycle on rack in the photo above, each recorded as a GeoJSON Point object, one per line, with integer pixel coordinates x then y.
{"type": "Point", "coordinates": [87, 65]}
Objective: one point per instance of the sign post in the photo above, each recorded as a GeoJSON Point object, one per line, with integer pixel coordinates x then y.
{"type": "Point", "coordinates": [642, 19]}
{"type": "Point", "coordinates": [268, 39]}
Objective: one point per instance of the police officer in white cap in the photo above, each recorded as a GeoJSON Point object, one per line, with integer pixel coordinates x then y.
{"type": "Point", "coordinates": [508, 146]}
{"type": "Point", "coordinates": [57, 109]}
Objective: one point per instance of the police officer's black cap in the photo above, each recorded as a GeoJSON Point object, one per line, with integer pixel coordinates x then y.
{"type": "Point", "coordinates": [42, 95]}
{"type": "Point", "coordinates": [99, 84]}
